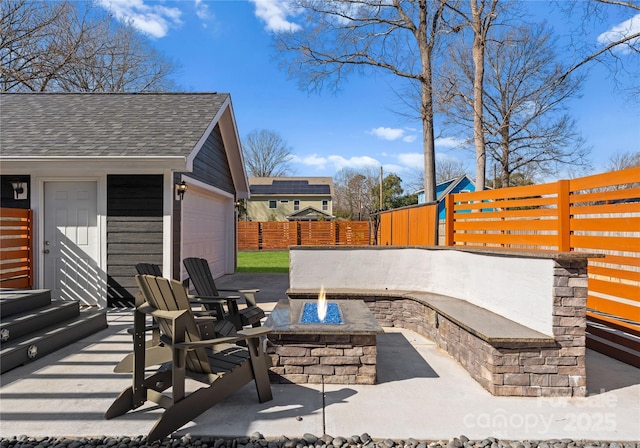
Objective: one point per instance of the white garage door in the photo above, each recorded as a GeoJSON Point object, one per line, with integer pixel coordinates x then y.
{"type": "Point", "coordinates": [207, 230]}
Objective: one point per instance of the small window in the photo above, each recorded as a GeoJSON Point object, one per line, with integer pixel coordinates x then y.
{"type": "Point", "coordinates": [273, 203]}
{"type": "Point", "coordinates": [284, 201]}
{"type": "Point", "coordinates": [296, 205]}
{"type": "Point", "coordinates": [325, 205]}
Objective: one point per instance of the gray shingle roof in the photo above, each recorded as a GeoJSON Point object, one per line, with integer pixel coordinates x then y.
{"type": "Point", "coordinates": [104, 124]}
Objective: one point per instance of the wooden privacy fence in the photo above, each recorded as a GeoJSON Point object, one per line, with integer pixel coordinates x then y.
{"type": "Point", "coordinates": [598, 214]}
{"type": "Point", "coordinates": [16, 268]}
{"type": "Point", "coordinates": [408, 226]}
{"type": "Point", "coordinates": [281, 235]}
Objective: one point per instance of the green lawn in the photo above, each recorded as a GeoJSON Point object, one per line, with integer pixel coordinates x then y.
{"type": "Point", "coordinates": [268, 261]}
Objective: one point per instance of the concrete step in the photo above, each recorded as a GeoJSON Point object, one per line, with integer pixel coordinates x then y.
{"type": "Point", "coordinates": [47, 340]}
{"type": "Point", "coordinates": [16, 301]}
{"type": "Point", "coordinates": [19, 325]}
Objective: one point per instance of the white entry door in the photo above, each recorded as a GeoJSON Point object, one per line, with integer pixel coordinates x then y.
{"type": "Point", "coordinates": [71, 241]}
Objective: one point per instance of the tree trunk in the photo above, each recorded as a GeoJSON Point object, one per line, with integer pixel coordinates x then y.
{"type": "Point", "coordinates": [426, 107]}
{"type": "Point", "coordinates": [505, 174]}
{"type": "Point", "coordinates": [478, 80]}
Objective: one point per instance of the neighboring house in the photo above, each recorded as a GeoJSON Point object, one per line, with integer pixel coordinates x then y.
{"type": "Point", "coordinates": [461, 184]}
{"type": "Point", "coordinates": [101, 173]}
{"type": "Point", "coordinates": [290, 199]}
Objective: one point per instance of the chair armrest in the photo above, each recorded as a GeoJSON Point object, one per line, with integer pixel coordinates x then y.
{"type": "Point", "coordinates": [162, 314]}
{"type": "Point", "coordinates": [204, 316]}
{"type": "Point", "coordinates": [212, 299]}
{"type": "Point", "coordinates": [243, 291]}
{"type": "Point", "coordinates": [247, 333]}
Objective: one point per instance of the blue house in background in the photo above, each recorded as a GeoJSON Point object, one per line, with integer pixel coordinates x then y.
{"type": "Point", "coordinates": [462, 184]}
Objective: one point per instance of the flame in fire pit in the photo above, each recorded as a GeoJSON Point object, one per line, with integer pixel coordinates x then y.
{"type": "Point", "coordinates": [322, 304]}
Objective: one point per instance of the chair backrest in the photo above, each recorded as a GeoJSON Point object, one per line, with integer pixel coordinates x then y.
{"type": "Point", "coordinates": [200, 276]}
{"type": "Point", "coordinates": [149, 269]}
{"type": "Point", "coordinates": [170, 295]}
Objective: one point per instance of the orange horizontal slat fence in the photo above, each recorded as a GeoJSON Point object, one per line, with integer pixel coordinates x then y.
{"type": "Point", "coordinates": [278, 235]}
{"type": "Point", "coordinates": [248, 235]}
{"type": "Point", "coordinates": [16, 236]}
{"type": "Point", "coordinates": [281, 235]}
{"type": "Point", "coordinates": [598, 214]}
{"type": "Point", "coordinates": [354, 233]}
{"type": "Point", "coordinates": [409, 226]}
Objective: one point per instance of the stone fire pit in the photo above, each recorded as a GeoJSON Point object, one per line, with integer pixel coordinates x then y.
{"type": "Point", "coordinates": [340, 351]}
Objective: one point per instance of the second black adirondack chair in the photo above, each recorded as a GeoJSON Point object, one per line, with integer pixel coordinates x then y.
{"type": "Point", "coordinates": [149, 269]}
{"type": "Point", "coordinates": [219, 363]}
{"type": "Point", "coordinates": [202, 280]}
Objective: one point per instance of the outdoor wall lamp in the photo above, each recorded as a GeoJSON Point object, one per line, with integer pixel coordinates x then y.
{"type": "Point", "coordinates": [19, 189]}
{"type": "Point", "coordinates": [180, 190]}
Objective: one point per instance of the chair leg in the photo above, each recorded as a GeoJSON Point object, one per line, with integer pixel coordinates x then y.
{"type": "Point", "coordinates": [260, 368]}
{"type": "Point", "coordinates": [122, 404]}
{"type": "Point", "coordinates": [194, 404]}
{"type": "Point", "coordinates": [135, 396]}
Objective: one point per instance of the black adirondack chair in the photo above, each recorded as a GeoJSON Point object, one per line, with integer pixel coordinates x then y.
{"type": "Point", "coordinates": [202, 280]}
{"type": "Point", "coordinates": [211, 321]}
{"type": "Point", "coordinates": [219, 363]}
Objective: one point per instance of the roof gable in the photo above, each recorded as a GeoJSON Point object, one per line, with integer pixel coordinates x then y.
{"type": "Point", "coordinates": [309, 213]}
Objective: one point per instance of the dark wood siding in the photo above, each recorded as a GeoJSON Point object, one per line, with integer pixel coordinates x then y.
{"type": "Point", "coordinates": [134, 230]}
{"type": "Point", "coordinates": [177, 231]}
{"type": "Point", "coordinates": [211, 165]}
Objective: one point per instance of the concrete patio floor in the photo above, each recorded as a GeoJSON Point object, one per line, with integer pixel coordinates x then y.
{"type": "Point", "coordinates": [421, 393]}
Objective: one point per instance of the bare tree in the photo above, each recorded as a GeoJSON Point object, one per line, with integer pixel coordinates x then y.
{"type": "Point", "coordinates": [525, 123]}
{"type": "Point", "coordinates": [397, 37]}
{"type": "Point", "coordinates": [480, 18]}
{"type": "Point", "coordinates": [447, 169]}
{"type": "Point", "coordinates": [266, 154]}
{"type": "Point", "coordinates": [74, 46]}
{"type": "Point", "coordinates": [621, 161]}
{"type": "Point", "coordinates": [354, 196]}
{"type": "Point", "coordinates": [612, 47]}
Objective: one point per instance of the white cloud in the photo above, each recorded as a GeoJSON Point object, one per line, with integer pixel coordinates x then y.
{"type": "Point", "coordinates": [449, 142]}
{"type": "Point", "coordinates": [312, 160]}
{"type": "Point", "coordinates": [391, 134]}
{"type": "Point", "coordinates": [409, 138]}
{"type": "Point", "coordinates": [152, 19]}
{"type": "Point", "coordinates": [393, 168]}
{"type": "Point", "coordinates": [274, 13]}
{"type": "Point", "coordinates": [202, 10]}
{"type": "Point", "coordinates": [387, 133]}
{"type": "Point", "coordinates": [336, 162]}
{"type": "Point", "coordinates": [353, 162]}
{"type": "Point", "coordinates": [626, 28]}
{"type": "Point", "coordinates": [412, 159]}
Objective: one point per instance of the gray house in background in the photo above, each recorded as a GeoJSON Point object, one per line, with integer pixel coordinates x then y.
{"type": "Point", "coordinates": [102, 174]}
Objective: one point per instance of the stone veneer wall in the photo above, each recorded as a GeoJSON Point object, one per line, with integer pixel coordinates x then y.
{"type": "Point", "coordinates": [524, 370]}
{"type": "Point", "coordinates": [328, 359]}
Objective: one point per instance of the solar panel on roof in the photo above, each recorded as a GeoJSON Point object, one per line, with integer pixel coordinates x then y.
{"type": "Point", "coordinates": [290, 187]}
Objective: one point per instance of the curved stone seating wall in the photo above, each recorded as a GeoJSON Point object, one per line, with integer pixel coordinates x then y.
{"type": "Point", "coordinates": [504, 355]}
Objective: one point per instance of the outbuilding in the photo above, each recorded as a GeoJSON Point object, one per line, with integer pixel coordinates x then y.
{"type": "Point", "coordinates": [117, 179]}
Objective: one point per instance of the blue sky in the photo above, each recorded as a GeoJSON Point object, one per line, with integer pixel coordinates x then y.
{"type": "Point", "coordinates": [226, 46]}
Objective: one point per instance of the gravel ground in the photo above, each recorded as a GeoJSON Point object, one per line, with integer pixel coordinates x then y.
{"type": "Point", "coordinates": [307, 441]}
